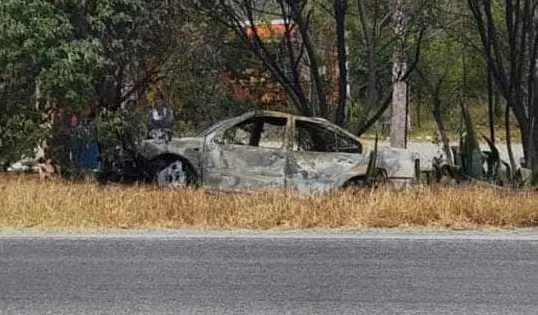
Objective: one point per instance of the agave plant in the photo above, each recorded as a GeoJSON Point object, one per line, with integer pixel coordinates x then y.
{"type": "Point", "coordinates": [472, 159]}
{"type": "Point", "coordinates": [470, 163]}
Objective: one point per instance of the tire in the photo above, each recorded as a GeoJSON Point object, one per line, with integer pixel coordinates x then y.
{"type": "Point", "coordinates": [381, 178]}
{"type": "Point", "coordinates": [358, 183]}
{"type": "Point", "coordinates": [355, 183]}
{"type": "Point", "coordinates": [173, 174]}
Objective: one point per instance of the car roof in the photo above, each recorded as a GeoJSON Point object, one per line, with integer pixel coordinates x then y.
{"type": "Point", "coordinates": [282, 114]}
{"type": "Point", "coordinates": [270, 113]}
{"type": "Point", "coordinates": [296, 116]}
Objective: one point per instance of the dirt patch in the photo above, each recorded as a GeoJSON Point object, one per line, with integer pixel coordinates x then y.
{"type": "Point", "coordinates": [28, 202]}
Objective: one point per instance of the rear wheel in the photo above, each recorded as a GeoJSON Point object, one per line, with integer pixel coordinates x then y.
{"type": "Point", "coordinates": [355, 183]}
{"type": "Point", "coordinates": [173, 174]}
{"type": "Point", "coordinates": [378, 179]}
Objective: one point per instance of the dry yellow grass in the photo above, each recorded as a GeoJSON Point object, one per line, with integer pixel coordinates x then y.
{"type": "Point", "coordinates": [28, 202]}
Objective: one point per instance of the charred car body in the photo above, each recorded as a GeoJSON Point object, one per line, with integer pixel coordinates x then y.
{"type": "Point", "coordinates": [265, 149]}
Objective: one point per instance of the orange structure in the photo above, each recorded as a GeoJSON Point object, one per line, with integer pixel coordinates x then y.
{"type": "Point", "coordinates": [250, 81]}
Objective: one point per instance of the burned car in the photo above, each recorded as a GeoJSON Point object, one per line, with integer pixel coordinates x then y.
{"type": "Point", "coordinates": [266, 149]}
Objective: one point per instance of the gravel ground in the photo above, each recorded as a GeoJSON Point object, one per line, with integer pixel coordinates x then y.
{"type": "Point", "coordinates": [427, 151]}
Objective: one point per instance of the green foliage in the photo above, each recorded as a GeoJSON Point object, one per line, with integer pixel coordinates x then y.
{"type": "Point", "coordinates": [70, 78]}
{"type": "Point", "coordinates": [38, 42]}
{"type": "Point", "coordinates": [359, 59]}
{"type": "Point", "coordinates": [79, 53]}
{"type": "Point", "coordinates": [471, 156]}
{"type": "Point", "coordinates": [72, 46]}
{"type": "Point", "coordinates": [75, 53]}
{"type": "Point", "coordinates": [117, 129]}
{"type": "Point", "coordinates": [110, 125]}
{"type": "Point", "coordinates": [19, 135]}
{"type": "Point", "coordinates": [199, 96]}
{"type": "Point", "coordinates": [451, 68]}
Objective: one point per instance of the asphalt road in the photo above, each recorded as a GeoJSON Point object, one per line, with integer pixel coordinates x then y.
{"type": "Point", "coordinates": [269, 273]}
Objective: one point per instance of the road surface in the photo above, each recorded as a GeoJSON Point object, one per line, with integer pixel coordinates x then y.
{"type": "Point", "coordinates": [269, 273]}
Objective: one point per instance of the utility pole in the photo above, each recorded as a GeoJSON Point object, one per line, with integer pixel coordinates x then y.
{"type": "Point", "coordinates": [398, 124]}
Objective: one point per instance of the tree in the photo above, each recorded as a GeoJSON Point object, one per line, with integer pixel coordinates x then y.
{"type": "Point", "coordinates": [105, 51]}
{"type": "Point", "coordinates": [509, 37]}
{"type": "Point", "coordinates": [439, 74]}
{"type": "Point", "coordinates": [398, 129]}
{"type": "Point", "coordinates": [76, 54]}
{"type": "Point", "coordinates": [340, 11]}
{"type": "Point", "coordinates": [138, 38]}
{"type": "Point", "coordinates": [198, 92]}
{"type": "Point", "coordinates": [372, 49]}
{"type": "Point", "coordinates": [32, 40]}
{"type": "Point", "coordinates": [245, 19]}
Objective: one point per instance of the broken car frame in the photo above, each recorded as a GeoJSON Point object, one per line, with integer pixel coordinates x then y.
{"type": "Point", "coordinates": [267, 149]}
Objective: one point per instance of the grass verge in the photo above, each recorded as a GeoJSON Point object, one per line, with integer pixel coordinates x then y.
{"type": "Point", "coordinates": [27, 202]}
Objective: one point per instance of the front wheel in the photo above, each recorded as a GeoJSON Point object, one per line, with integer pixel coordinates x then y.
{"type": "Point", "coordinates": [174, 174]}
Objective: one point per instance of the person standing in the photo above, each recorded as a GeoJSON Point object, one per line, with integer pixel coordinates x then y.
{"type": "Point", "coordinates": [161, 121]}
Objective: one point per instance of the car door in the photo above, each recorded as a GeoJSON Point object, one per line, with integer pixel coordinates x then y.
{"type": "Point", "coordinates": [319, 156]}
{"type": "Point", "coordinates": [248, 155]}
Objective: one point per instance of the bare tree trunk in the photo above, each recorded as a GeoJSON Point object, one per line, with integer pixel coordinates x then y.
{"type": "Point", "coordinates": [509, 136]}
{"type": "Point", "coordinates": [398, 126]}
{"type": "Point", "coordinates": [489, 82]}
{"type": "Point", "coordinates": [305, 29]}
{"type": "Point", "coordinates": [533, 101]}
{"type": "Point", "coordinates": [340, 8]}
{"type": "Point", "coordinates": [297, 16]}
{"type": "Point", "coordinates": [370, 34]}
{"type": "Point", "coordinates": [418, 105]}
{"type": "Point", "coordinates": [497, 106]}
{"type": "Point", "coordinates": [434, 87]}
{"type": "Point", "coordinates": [491, 105]}
{"type": "Point", "coordinates": [512, 54]}
{"type": "Point", "coordinates": [440, 124]}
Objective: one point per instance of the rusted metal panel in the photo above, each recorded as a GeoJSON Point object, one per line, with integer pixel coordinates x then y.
{"type": "Point", "coordinates": [313, 172]}
{"type": "Point", "coordinates": [238, 167]}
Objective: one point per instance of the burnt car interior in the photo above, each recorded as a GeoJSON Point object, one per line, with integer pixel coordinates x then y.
{"type": "Point", "coordinates": [263, 132]}
{"type": "Point", "coordinates": [269, 132]}
{"type": "Point", "coordinates": [314, 137]}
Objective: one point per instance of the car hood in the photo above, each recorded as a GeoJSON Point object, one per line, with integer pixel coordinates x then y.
{"type": "Point", "coordinates": [151, 148]}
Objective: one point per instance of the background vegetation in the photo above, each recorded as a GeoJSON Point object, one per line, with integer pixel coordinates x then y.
{"type": "Point", "coordinates": [59, 58]}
